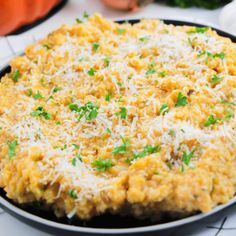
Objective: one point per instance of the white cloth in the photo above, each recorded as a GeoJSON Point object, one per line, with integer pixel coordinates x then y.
{"type": "Point", "coordinates": [14, 45]}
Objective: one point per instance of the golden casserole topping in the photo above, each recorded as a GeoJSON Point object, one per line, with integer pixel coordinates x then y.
{"type": "Point", "coordinates": [100, 116]}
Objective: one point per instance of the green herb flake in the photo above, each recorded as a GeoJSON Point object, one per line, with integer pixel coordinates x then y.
{"type": "Point", "coordinates": [91, 72]}
{"type": "Point", "coordinates": [146, 151]}
{"type": "Point", "coordinates": [16, 75]}
{"type": "Point", "coordinates": [41, 112]}
{"type": "Point", "coordinates": [211, 120]}
{"type": "Point", "coordinates": [56, 89]}
{"type": "Point", "coordinates": [46, 46]}
{"type": "Point", "coordinates": [151, 71]}
{"type": "Point", "coordinates": [228, 103]}
{"type": "Point", "coordinates": [215, 79]}
{"type": "Point", "coordinates": [12, 148]}
{"type": "Point", "coordinates": [107, 61]}
{"type": "Point", "coordinates": [201, 30]}
{"type": "Point", "coordinates": [186, 158]}
{"type": "Point", "coordinates": [164, 109]}
{"type": "Point", "coordinates": [78, 21]}
{"type": "Point", "coordinates": [95, 46]}
{"type": "Point", "coordinates": [89, 110]}
{"type": "Point", "coordinates": [181, 100]}
{"type": "Point", "coordinates": [72, 193]}
{"type": "Point", "coordinates": [37, 96]}
{"type": "Point", "coordinates": [102, 164]}
{"type": "Point", "coordinates": [29, 92]}
{"type": "Point", "coordinates": [75, 159]}
{"type": "Point", "coordinates": [144, 39]}
{"type": "Point", "coordinates": [108, 97]}
{"type": "Point", "coordinates": [122, 113]}
{"type": "Point", "coordinates": [122, 148]}
{"type": "Point", "coordinates": [58, 123]}
{"type": "Point", "coordinates": [162, 74]}
{"type": "Point", "coordinates": [108, 130]}
{"type": "Point", "coordinates": [76, 146]}
{"type": "Point", "coordinates": [85, 14]}
{"type": "Point", "coordinates": [120, 31]}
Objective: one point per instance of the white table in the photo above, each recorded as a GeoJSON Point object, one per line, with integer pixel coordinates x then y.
{"type": "Point", "coordinates": [10, 226]}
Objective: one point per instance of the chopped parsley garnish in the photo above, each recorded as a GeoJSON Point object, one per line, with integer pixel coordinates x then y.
{"type": "Point", "coordinates": [85, 15]}
{"type": "Point", "coordinates": [181, 100]}
{"type": "Point", "coordinates": [91, 72]}
{"type": "Point", "coordinates": [72, 193]}
{"type": "Point", "coordinates": [46, 46]}
{"type": "Point", "coordinates": [151, 71]}
{"type": "Point", "coordinates": [89, 110]}
{"type": "Point", "coordinates": [76, 146]}
{"type": "Point", "coordinates": [56, 89]}
{"type": "Point", "coordinates": [41, 112]}
{"type": "Point", "coordinates": [229, 114]}
{"type": "Point", "coordinates": [220, 55]}
{"type": "Point", "coordinates": [120, 31]}
{"type": "Point", "coordinates": [102, 164]}
{"type": "Point", "coordinates": [211, 121]}
{"type": "Point", "coordinates": [78, 21]}
{"type": "Point", "coordinates": [108, 130]}
{"type": "Point", "coordinates": [144, 39]}
{"type": "Point", "coordinates": [107, 61]}
{"type": "Point", "coordinates": [75, 159]}
{"type": "Point", "coordinates": [228, 103]}
{"type": "Point", "coordinates": [108, 97]}
{"type": "Point", "coordinates": [215, 79]}
{"type": "Point", "coordinates": [37, 96]}
{"type": "Point", "coordinates": [164, 109]}
{"type": "Point", "coordinates": [12, 148]}
{"type": "Point", "coordinates": [186, 158]}
{"type": "Point", "coordinates": [122, 148]}
{"type": "Point", "coordinates": [146, 151]}
{"type": "Point", "coordinates": [16, 75]}
{"type": "Point", "coordinates": [162, 74]}
{"type": "Point", "coordinates": [58, 123]}
{"type": "Point", "coordinates": [29, 92]}
{"type": "Point", "coordinates": [95, 46]}
{"type": "Point", "coordinates": [122, 113]}
{"type": "Point", "coordinates": [64, 147]}
{"type": "Point", "coordinates": [198, 30]}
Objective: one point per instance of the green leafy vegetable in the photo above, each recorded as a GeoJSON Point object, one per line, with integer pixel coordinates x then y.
{"type": "Point", "coordinates": [89, 110]}
{"type": "Point", "coordinates": [151, 71]}
{"type": "Point", "coordinates": [56, 89]}
{"type": "Point", "coordinates": [198, 30]}
{"type": "Point", "coordinates": [37, 96]}
{"type": "Point", "coordinates": [146, 151]}
{"type": "Point", "coordinates": [102, 164]}
{"type": "Point", "coordinates": [186, 158]}
{"type": "Point", "coordinates": [181, 100]}
{"type": "Point", "coordinates": [107, 61]}
{"type": "Point", "coordinates": [164, 109]}
{"type": "Point", "coordinates": [78, 21]}
{"type": "Point", "coordinates": [91, 72]}
{"type": "Point", "coordinates": [228, 103]}
{"type": "Point", "coordinates": [108, 97]}
{"type": "Point", "coordinates": [12, 148]}
{"type": "Point", "coordinates": [120, 31]}
{"type": "Point", "coordinates": [29, 92]}
{"type": "Point", "coordinates": [215, 79]}
{"type": "Point", "coordinates": [75, 159]}
{"type": "Point", "coordinates": [16, 75]}
{"type": "Point", "coordinates": [95, 46]}
{"type": "Point", "coordinates": [144, 39]}
{"type": "Point", "coordinates": [211, 121]}
{"type": "Point", "coordinates": [76, 146]}
{"type": "Point", "coordinates": [122, 113]}
{"type": "Point", "coordinates": [122, 148]}
{"type": "Point", "coordinates": [46, 46]}
{"type": "Point", "coordinates": [72, 193]}
{"type": "Point", "coordinates": [41, 112]}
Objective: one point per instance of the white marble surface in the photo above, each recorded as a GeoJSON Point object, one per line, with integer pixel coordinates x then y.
{"type": "Point", "coordinates": [10, 226]}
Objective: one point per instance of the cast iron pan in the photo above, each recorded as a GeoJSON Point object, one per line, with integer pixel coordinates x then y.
{"type": "Point", "coordinates": [106, 224]}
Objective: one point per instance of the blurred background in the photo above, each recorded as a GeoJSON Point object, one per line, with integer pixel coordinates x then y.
{"type": "Point", "coordinates": [17, 16]}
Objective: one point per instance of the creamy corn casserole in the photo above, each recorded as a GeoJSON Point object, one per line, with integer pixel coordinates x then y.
{"type": "Point", "coordinates": [136, 119]}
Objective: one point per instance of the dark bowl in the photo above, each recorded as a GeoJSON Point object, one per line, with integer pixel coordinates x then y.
{"type": "Point", "coordinates": [106, 224]}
